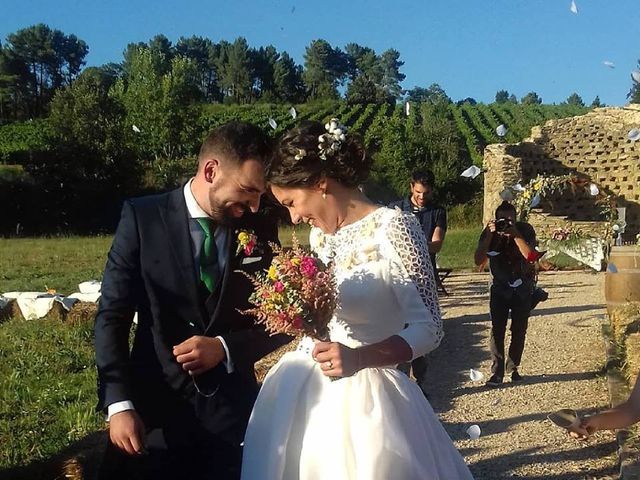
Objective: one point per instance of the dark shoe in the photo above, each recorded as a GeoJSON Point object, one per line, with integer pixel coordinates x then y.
{"type": "Point", "coordinates": [494, 381]}
{"type": "Point", "coordinates": [516, 377]}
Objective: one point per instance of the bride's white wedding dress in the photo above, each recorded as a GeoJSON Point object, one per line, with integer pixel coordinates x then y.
{"type": "Point", "coordinates": [376, 424]}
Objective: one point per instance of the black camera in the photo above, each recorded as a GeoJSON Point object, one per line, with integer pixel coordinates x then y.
{"type": "Point", "coordinates": [503, 223]}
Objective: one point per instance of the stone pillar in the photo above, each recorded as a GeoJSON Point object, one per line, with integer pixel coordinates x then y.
{"type": "Point", "coordinates": [500, 171]}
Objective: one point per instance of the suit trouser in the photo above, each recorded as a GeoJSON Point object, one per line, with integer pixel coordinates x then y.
{"type": "Point", "coordinates": [500, 306]}
{"type": "Point", "coordinates": [204, 459]}
{"type": "Point", "coordinates": [419, 366]}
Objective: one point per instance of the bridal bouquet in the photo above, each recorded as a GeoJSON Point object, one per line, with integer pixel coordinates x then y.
{"type": "Point", "coordinates": [296, 295]}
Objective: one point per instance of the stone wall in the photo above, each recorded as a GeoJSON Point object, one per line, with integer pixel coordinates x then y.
{"type": "Point", "coordinates": [594, 145]}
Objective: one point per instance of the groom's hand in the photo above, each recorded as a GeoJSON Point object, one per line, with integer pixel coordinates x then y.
{"type": "Point", "coordinates": [126, 431]}
{"type": "Point", "coordinates": [199, 354]}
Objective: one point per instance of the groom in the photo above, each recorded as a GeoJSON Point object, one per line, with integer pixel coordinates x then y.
{"type": "Point", "coordinates": [179, 399]}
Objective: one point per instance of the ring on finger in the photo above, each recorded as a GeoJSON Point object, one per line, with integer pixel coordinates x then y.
{"type": "Point", "coordinates": [329, 365]}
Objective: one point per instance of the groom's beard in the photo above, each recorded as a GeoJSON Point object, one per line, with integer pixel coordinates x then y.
{"type": "Point", "coordinates": [225, 215]}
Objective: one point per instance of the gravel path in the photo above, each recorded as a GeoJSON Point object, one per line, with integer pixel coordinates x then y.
{"type": "Point", "coordinates": [562, 365]}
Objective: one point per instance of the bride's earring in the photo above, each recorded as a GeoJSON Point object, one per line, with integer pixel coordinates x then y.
{"type": "Point", "coordinates": [324, 195]}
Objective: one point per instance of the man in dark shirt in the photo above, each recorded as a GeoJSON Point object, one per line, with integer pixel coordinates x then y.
{"type": "Point", "coordinates": [510, 248]}
{"type": "Point", "coordinates": [433, 220]}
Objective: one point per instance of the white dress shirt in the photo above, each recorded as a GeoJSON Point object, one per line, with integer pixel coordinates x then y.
{"type": "Point", "coordinates": [197, 240]}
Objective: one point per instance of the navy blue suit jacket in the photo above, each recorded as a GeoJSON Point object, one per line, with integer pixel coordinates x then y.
{"type": "Point", "coordinates": [150, 269]}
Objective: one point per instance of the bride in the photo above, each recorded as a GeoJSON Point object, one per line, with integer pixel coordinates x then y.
{"type": "Point", "coordinates": [372, 423]}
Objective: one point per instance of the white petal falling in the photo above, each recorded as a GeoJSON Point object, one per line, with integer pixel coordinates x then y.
{"type": "Point", "coordinates": [135, 129]}
{"type": "Point", "coordinates": [518, 188]}
{"type": "Point", "coordinates": [475, 375]}
{"type": "Point", "coordinates": [609, 64]}
{"type": "Point", "coordinates": [293, 113]}
{"type": "Point", "coordinates": [593, 190]}
{"type": "Point", "coordinates": [273, 124]}
{"type": "Point", "coordinates": [474, 432]}
{"type": "Point", "coordinates": [535, 201]}
{"type": "Point", "coordinates": [634, 134]}
{"type": "Point", "coordinates": [516, 284]}
{"type": "Point", "coordinates": [496, 402]}
{"type": "Point", "coordinates": [471, 172]}
{"type": "Point", "coordinates": [407, 108]}
{"type": "Point", "coordinates": [493, 253]}
{"type": "Point", "coordinates": [507, 195]}
{"type": "Point", "coordinates": [573, 7]}
{"type": "Point", "coordinates": [501, 130]}
{"type": "Point", "coordinates": [611, 268]}
{"type": "Point", "coordinates": [635, 75]}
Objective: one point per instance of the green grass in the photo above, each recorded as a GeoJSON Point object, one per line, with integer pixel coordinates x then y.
{"type": "Point", "coordinates": [47, 388]}
{"type": "Point", "coordinates": [60, 263]}
{"type": "Point", "coordinates": [459, 246]}
{"type": "Point", "coordinates": [47, 369]}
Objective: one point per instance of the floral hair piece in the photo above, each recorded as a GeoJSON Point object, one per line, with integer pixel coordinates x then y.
{"type": "Point", "coordinates": [301, 153]}
{"type": "Point", "coordinates": [329, 143]}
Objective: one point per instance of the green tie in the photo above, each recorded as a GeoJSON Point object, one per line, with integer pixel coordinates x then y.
{"type": "Point", "coordinates": [209, 255]}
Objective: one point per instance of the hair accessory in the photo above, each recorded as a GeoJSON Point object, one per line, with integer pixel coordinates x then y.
{"type": "Point", "coordinates": [329, 143]}
{"type": "Point", "coordinates": [301, 153]}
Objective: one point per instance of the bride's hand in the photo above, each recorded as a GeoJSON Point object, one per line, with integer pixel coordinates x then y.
{"type": "Point", "coordinates": [336, 359]}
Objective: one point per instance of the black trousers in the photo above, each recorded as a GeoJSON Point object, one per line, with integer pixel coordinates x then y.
{"type": "Point", "coordinates": [206, 459]}
{"type": "Point", "coordinates": [419, 367]}
{"type": "Point", "coordinates": [500, 305]}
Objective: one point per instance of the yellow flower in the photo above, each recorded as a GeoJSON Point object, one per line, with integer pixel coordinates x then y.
{"type": "Point", "coordinates": [295, 261]}
{"type": "Point", "coordinates": [243, 238]}
{"type": "Point", "coordinates": [272, 273]}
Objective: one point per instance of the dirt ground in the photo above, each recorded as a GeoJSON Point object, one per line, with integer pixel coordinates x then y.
{"type": "Point", "coordinates": [562, 365]}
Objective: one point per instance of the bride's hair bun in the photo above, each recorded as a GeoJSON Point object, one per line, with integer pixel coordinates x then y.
{"type": "Point", "coordinates": [299, 161]}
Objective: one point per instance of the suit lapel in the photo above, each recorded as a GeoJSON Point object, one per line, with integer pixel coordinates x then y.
{"type": "Point", "coordinates": [176, 220]}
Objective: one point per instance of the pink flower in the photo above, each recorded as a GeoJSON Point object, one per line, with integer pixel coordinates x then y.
{"type": "Point", "coordinates": [297, 322]}
{"type": "Point", "coordinates": [308, 267]}
{"type": "Point", "coordinates": [248, 249]}
{"type": "Point", "coordinates": [278, 286]}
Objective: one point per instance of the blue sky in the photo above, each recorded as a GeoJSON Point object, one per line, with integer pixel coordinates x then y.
{"type": "Point", "coordinates": [472, 48]}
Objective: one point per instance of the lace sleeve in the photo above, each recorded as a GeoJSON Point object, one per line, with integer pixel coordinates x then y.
{"type": "Point", "coordinates": [414, 284]}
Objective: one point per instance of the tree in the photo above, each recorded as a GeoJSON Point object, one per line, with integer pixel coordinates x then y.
{"type": "Point", "coordinates": [468, 101]}
{"type": "Point", "coordinates": [634, 93]}
{"type": "Point", "coordinates": [531, 98]}
{"type": "Point", "coordinates": [513, 99]}
{"type": "Point", "coordinates": [391, 77]}
{"type": "Point", "coordinates": [575, 100]}
{"type": "Point", "coordinates": [287, 80]}
{"type": "Point", "coordinates": [325, 68]}
{"type": "Point", "coordinates": [596, 103]}
{"type": "Point", "coordinates": [41, 60]}
{"type": "Point", "coordinates": [162, 106]}
{"type": "Point", "coordinates": [235, 70]}
{"type": "Point", "coordinates": [89, 134]}
{"type": "Point", "coordinates": [263, 62]}
{"type": "Point", "coordinates": [434, 94]}
{"type": "Point", "coordinates": [502, 96]}
{"type": "Point", "coordinates": [363, 61]}
{"type": "Point", "coordinates": [197, 49]}
{"type": "Point", "coordinates": [363, 90]}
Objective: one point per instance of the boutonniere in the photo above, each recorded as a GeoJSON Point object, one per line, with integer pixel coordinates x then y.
{"type": "Point", "coordinates": [246, 241]}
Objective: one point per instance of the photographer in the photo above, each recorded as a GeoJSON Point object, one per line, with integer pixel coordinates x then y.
{"type": "Point", "coordinates": [510, 248]}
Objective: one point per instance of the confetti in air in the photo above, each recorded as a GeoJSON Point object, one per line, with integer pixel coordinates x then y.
{"type": "Point", "coordinates": [471, 172]}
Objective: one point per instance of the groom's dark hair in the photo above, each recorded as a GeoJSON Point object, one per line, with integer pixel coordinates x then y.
{"type": "Point", "coordinates": [237, 142]}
